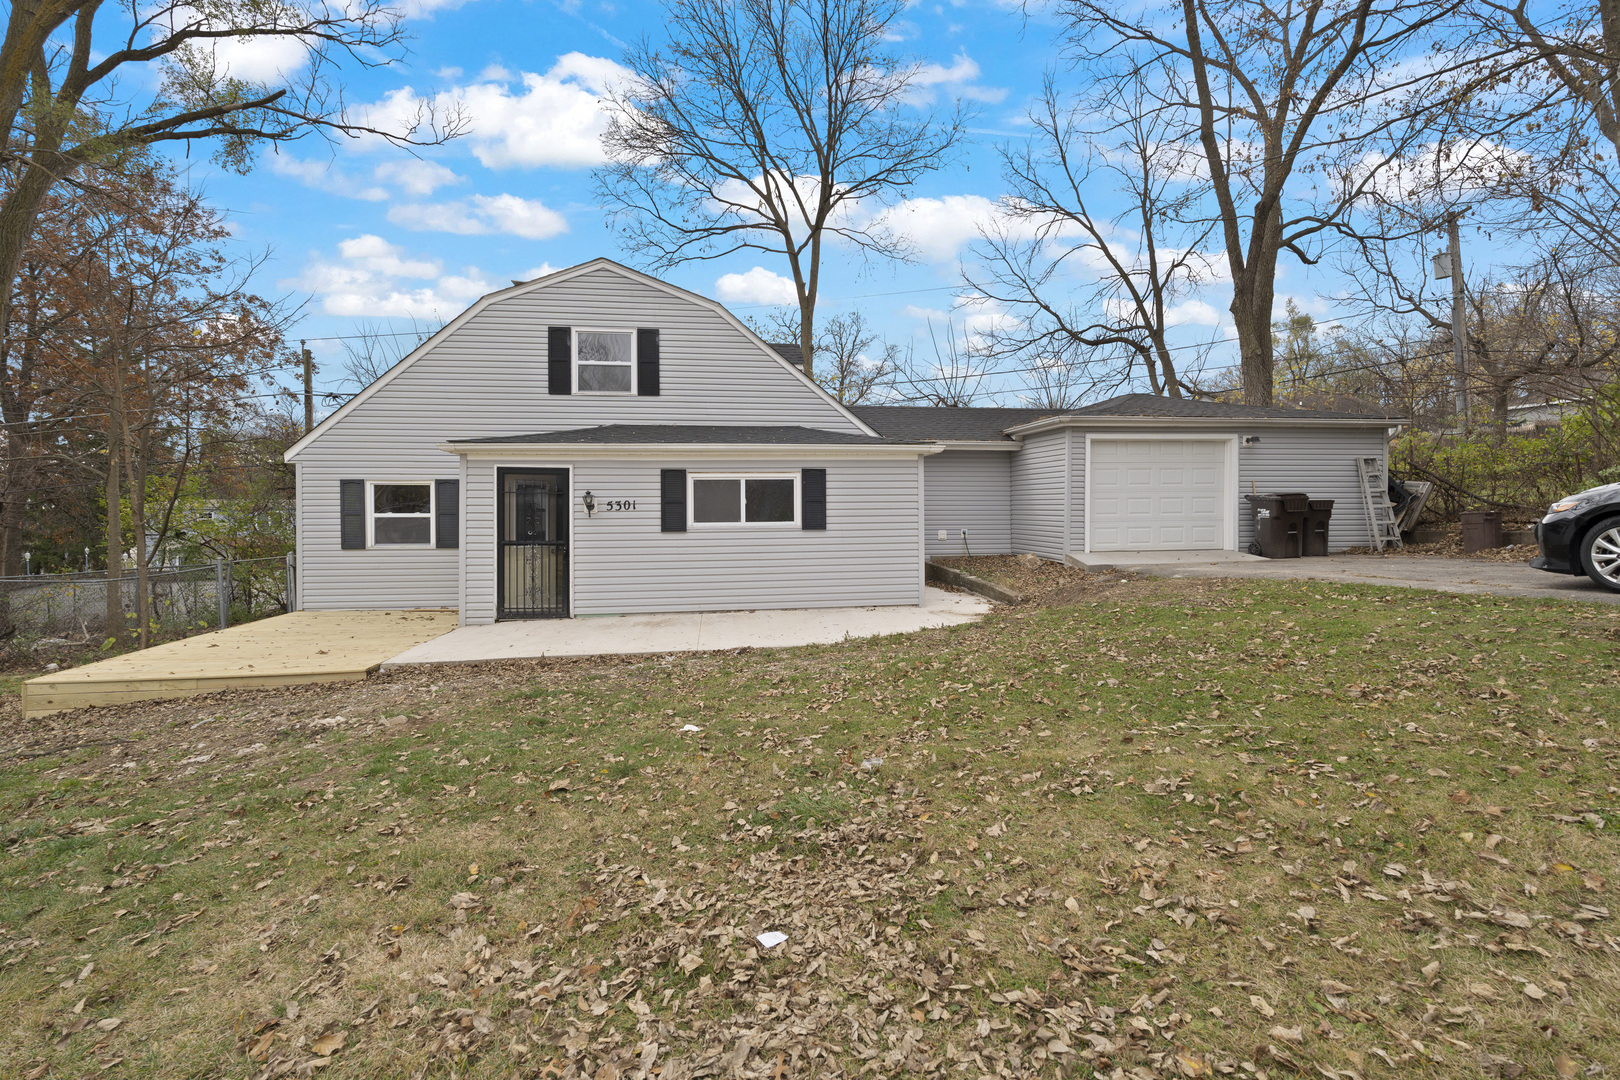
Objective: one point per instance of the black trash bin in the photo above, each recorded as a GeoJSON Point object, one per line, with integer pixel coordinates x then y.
{"type": "Point", "coordinates": [1318, 512]}
{"type": "Point", "coordinates": [1279, 524]}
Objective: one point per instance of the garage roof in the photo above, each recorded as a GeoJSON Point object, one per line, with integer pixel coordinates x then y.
{"type": "Point", "coordinates": [946, 424]}
{"type": "Point", "coordinates": [1183, 408]}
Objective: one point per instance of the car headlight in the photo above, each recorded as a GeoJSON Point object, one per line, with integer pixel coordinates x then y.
{"type": "Point", "coordinates": [1567, 504]}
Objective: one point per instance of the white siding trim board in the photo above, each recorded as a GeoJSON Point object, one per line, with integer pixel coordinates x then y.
{"type": "Point", "coordinates": [663, 451]}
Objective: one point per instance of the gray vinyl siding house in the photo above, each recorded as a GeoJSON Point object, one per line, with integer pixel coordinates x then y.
{"type": "Point", "coordinates": [599, 442]}
{"type": "Point", "coordinates": [441, 415]}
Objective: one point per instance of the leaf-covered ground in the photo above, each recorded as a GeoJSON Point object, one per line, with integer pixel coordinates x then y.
{"type": "Point", "coordinates": [1172, 829]}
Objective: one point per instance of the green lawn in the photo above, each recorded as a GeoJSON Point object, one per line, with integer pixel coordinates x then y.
{"type": "Point", "coordinates": [1187, 828]}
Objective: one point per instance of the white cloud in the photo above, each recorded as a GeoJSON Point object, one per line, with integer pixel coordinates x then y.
{"type": "Point", "coordinates": [757, 286]}
{"type": "Point", "coordinates": [958, 78]}
{"type": "Point", "coordinates": [415, 176]}
{"type": "Point", "coordinates": [535, 272]}
{"type": "Point", "coordinates": [374, 278]}
{"type": "Point", "coordinates": [325, 176]}
{"type": "Point", "coordinates": [1192, 313]}
{"type": "Point", "coordinates": [554, 119]}
{"type": "Point", "coordinates": [938, 228]}
{"type": "Point", "coordinates": [482, 215]}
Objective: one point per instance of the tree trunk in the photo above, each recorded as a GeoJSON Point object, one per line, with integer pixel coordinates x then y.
{"type": "Point", "coordinates": [115, 545]}
{"type": "Point", "coordinates": [1253, 293]}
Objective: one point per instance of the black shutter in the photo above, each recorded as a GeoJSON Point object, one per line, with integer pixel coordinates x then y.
{"type": "Point", "coordinates": [447, 513]}
{"type": "Point", "coordinates": [813, 495]}
{"type": "Point", "coordinates": [352, 514]}
{"type": "Point", "coordinates": [647, 363]}
{"type": "Point", "coordinates": [559, 360]}
{"type": "Point", "coordinates": [672, 484]}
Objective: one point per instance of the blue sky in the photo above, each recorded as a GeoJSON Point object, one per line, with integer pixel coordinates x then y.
{"type": "Point", "coordinates": [372, 234]}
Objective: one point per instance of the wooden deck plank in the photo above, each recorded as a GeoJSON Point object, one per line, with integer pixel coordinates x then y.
{"type": "Point", "coordinates": [284, 650]}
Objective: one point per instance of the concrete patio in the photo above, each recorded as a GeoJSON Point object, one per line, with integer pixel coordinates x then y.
{"type": "Point", "coordinates": [1406, 571]}
{"type": "Point", "coordinates": [688, 631]}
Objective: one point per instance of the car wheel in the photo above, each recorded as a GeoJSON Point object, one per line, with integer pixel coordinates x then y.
{"type": "Point", "coordinates": [1600, 553]}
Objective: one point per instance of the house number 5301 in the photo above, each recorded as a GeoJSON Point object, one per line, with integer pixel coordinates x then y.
{"type": "Point", "coordinates": [619, 504]}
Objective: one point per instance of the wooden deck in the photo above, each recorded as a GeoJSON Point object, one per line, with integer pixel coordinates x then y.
{"type": "Point", "coordinates": [301, 647]}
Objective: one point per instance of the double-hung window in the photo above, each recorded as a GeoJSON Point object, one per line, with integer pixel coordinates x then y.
{"type": "Point", "coordinates": [401, 515]}
{"type": "Point", "coordinates": [764, 499]}
{"type": "Point", "coordinates": [604, 362]}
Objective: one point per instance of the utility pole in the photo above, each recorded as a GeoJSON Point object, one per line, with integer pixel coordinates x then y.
{"type": "Point", "coordinates": [309, 388]}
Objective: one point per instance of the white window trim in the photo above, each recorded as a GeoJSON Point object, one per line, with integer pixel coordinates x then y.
{"type": "Point", "coordinates": [691, 500]}
{"type": "Point", "coordinates": [371, 514]}
{"type": "Point", "coordinates": [573, 368]}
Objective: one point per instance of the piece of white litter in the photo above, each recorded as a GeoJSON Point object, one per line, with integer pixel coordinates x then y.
{"type": "Point", "coordinates": [691, 727]}
{"type": "Point", "coordinates": [871, 763]}
{"type": "Point", "coordinates": [772, 938]}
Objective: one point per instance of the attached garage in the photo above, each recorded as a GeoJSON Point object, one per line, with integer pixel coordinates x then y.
{"type": "Point", "coordinates": [1147, 493]}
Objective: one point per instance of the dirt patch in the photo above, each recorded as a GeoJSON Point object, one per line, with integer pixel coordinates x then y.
{"type": "Point", "coordinates": [1451, 547]}
{"type": "Point", "coordinates": [1030, 579]}
{"type": "Point", "coordinates": [1052, 584]}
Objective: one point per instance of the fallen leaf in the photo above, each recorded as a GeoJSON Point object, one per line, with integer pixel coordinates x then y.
{"type": "Point", "coordinates": [109, 1023]}
{"type": "Point", "coordinates": [1262, 1006]}
{"type": "Point", "coordinates": [1295, 1035]}
{"type": "Point", "coordinates": [1534, 992]}
{"type": "Point", "coordinates": [328, 1044]}
{"type": "Point", "coordinates": [1566, 1066]}
{"type": "Point", "coordinates": [1431, 969]}
{"type": "Point", "coordinates": [1461, 798]}
{"type": "Point", "coordinates": [1484, 991]}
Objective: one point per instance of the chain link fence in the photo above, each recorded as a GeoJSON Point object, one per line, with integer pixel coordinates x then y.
{"type": "Point", "coordinates": [184, 600]}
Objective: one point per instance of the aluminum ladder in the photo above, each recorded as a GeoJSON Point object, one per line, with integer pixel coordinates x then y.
{"type": "Point", "coordinates": [1375, 496]}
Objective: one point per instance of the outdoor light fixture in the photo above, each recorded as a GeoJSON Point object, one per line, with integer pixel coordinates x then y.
{"type": "Point", "coordinates": [1251, 440]}
{"type": "Point", "coordinates": [590, 504]}
{"type": "Point", "coordinates": [87, 560]}
{"type": "Point", "coordinates": [26, 560]}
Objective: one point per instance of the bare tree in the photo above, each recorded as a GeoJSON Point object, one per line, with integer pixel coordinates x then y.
{"type": "Point", "coordinates": [1048, 234]}
{"type": "Point", "coordinates": [1300, 111]}
{"type": "Point", "coordinates": [1577, 43]}
{"type": "Point", "coordinates": [772, 126]}
{"type": "Point", "coordinates": [82, 84]}
{"type": "Point", "coordinates": [851, 372]}
{"type": "Point", "coordinates": [950, 379]}
{"type": "Point", "coordinates": [372, 349]}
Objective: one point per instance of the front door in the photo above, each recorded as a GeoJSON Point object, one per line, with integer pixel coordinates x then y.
{"type": "Point", "coordinates": [532, 560]}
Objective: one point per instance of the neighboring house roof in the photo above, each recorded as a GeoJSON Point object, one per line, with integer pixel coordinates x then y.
{"type": "Point", "coordinates": [791, 351]}
{"type": "Point", "coordinates": [944, 423]}
{"type": "Point", "coordinates": [670, 434]}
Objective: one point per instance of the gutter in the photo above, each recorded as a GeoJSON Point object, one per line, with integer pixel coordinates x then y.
{"type": "Point", "coordinates": [1225, 423]}
{"type": "Point", "coordinates": [664, 451]}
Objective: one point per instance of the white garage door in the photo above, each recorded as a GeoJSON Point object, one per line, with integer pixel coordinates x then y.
{"type": "Point", "coordinates": [1157, 493]}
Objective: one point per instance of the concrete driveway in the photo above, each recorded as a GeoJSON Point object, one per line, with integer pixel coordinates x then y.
{"type": "Point", "coordinates": [1409, 571]}
{"type": "Point", "coordinates": [611, 635]}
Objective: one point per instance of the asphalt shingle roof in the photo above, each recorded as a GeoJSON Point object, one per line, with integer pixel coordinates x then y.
{"type": "Point", "coordinates": [791, 351]}
{"type": "Point", "coordinates": [944, 423]}
{"type": "Point", "coordinates": [1151, 405]}
{"type": "Point", "coordinates": [651, 434]}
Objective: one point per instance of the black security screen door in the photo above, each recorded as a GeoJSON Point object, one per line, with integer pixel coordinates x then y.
{"type": "Point", "coordinates": [533, 557]}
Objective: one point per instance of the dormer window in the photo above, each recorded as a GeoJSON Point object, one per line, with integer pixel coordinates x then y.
{"type": "Point", "coordinates": [604, 362]}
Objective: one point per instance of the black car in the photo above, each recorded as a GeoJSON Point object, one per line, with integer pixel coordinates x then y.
{"type": "Point", "coordinates": [1581, 535]}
